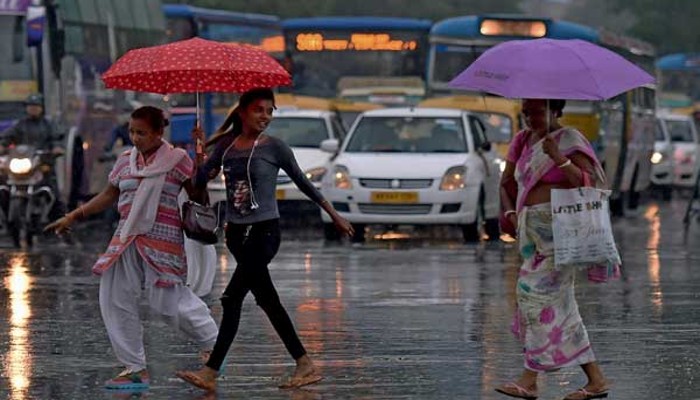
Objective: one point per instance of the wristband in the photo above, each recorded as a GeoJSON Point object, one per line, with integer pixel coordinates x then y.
{"type": "Point", "coordinates": [507, 213]}
{"type": "Point", "coordinates": [565, 164]}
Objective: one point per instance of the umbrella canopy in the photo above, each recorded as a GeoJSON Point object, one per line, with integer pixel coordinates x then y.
{"type": "Point", "coordinates": [195, 65]}
{"type": "Point", "coordinates": [551, 69]}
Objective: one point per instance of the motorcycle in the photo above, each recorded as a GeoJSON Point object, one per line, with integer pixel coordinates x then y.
{"type": "Point", "coordinates": [28, 191]}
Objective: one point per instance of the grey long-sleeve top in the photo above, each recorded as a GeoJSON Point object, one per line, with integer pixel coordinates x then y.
{"type": "Point", "coordinates": [270, 155]}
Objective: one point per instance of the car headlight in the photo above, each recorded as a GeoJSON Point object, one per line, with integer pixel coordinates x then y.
{"type": "Point", "coordinates": [454, 178]}
{"type": "Point", "coordinates": [315, 174]}
{"type": "Point", "coordinates": [341, 177]}
{"type": "Point", "coordinates": [656, 157]}
{"type": "Point", "coordinates": [20, 165]}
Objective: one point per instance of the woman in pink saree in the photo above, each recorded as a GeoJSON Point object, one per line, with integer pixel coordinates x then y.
{"type": "Point", "coordinates": [543, 157]}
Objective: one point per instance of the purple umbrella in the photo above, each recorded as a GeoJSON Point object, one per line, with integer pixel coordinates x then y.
{"type": "Point", "coordinates": [551, 69]}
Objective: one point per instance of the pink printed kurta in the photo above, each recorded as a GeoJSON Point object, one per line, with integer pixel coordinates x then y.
{"type": "Point", "coordinates": [163, 246]}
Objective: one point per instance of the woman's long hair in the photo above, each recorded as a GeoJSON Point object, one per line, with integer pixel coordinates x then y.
{"type": "Point", "coordinates": [233, 124]}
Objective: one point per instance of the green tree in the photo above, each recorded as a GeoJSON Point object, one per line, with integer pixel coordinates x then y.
{"type": "Point", "coordinates": [671, 25]}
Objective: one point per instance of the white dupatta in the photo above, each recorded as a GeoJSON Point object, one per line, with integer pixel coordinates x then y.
{"type": "Point", "coordinates": [144, 207]}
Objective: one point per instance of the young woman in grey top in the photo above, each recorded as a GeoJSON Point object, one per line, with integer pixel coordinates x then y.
{"type": "Point", "coordinates": [251, 162]}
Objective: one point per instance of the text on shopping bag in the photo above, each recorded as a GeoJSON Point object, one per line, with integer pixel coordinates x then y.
{"type": "Point", "coordinates": [581, 227]}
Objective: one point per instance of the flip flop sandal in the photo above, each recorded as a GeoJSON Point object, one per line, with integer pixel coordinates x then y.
{"type": "Point", "coordinates": [195, 380]}
{"type": "Point", "coordinates": [584, 394]}
{"type": "Point", "coordinates": [295, 383]}
{"type": "Point", "coordinates": [514, 390]}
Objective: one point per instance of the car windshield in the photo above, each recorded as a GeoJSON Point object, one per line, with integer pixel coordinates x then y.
{"type": "Point", "coordinates": [680, 131]}
{"type": "Point", "coordinates": [499, 127]}
{"type": "Point", "coordinates": [299, 132]}
{"type": "Point", "coordinates": [408, 135]}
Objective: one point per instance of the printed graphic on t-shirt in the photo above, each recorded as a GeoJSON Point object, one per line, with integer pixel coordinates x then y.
{"type": "Point", "coordinates": [242, 198]}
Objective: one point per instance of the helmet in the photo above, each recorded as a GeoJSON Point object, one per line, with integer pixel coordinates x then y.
{"type": "Point", "coordinates": [34, 99]}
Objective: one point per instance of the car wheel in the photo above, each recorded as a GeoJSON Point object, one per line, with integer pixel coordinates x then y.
{"type": "Point", "coordinates": [359, 236]}
{"type": "Point", "coordinates": [667, 193]}
{"type": "Point", "coordinates": [470, 232]}
{"type": "Point", "coordinates": [633, 196]}
{"type": "Point", "coordinates": [492, 229]}
{"type": "Point", "coordinates": [330, 233]}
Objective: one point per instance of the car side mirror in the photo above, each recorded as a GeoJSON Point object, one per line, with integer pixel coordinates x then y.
{"type": "Point", "coordinates": [486, 146]}
{"type": "Point", "coordinates": [330, 145]}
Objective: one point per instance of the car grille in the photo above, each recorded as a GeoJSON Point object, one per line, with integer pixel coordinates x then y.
{"type": "Point", "coordinates": [395, 209]}
{"type": "Point", "coordinates": [283, 179]}
{"type": "Point", "coordinates": [403, 183]}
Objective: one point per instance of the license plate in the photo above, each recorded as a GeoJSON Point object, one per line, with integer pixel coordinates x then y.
{"type": "Point", "coordinates": [394, 197]}
{"type": "Point", "coordinates": [280, 194]}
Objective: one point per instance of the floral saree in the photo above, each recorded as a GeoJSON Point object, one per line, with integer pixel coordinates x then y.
{"type": "Point", "coordinates": [547, 319]}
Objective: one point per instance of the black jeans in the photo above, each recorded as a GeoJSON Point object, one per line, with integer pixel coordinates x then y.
{"type": "Point", "coordinates": [253, 246]}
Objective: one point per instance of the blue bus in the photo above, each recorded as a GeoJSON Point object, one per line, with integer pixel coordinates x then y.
{"type": "Point", "coordinates": [679, 79]}
{"type": "Point", "coordinates": [372, 59]}
{"type": "Point", "coordinates": [184, 22]}
{"type": "Point", "coordinates": [622, 129]}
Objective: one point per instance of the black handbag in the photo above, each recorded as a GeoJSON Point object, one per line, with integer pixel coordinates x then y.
{"type": "Point", "coordinates": [200, 222]}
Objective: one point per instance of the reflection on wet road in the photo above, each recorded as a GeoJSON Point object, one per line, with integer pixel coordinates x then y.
{"type": "Point", "coordinates": [393, 319]}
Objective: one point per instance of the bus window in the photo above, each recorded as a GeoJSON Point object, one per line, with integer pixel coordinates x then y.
{"type": "Point", "coordinates": [449, 61]}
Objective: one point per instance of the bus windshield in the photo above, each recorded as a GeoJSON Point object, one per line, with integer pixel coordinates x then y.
{"type": "Point", "coordinates": [450, 60]}
{"type": "Point", "coordinates": [321, 58]}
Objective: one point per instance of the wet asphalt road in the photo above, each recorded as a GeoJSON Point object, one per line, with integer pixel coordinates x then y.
{"type": "Point", "coordinates": [413, 318]}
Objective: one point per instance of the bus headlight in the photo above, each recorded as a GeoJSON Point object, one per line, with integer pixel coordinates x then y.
{"type": "Point", "coordinates": [20, 166]}
{"type": "Point", "coordinates": [341, 178]}
{"type": "Point", "coordinates": [454, 178]}
{"type": "Point", "coordinates": [656, 157]}
{"type": "Point", "coordinates": [315, 174]}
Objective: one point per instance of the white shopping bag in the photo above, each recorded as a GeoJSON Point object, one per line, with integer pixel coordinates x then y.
{"type": "Point", "coordinates": [582, 229]}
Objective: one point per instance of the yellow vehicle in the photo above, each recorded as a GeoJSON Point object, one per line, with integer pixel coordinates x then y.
{"type": "Point", "coordinates": [501, 116]}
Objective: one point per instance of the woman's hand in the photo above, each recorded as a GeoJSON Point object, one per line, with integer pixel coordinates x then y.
{"type": "Point", "coordinates": [551, 148]}
{"type": "Point", "coordinates": [343, 226]}
{"type": "Point", "coordinates": [199, 139]}
{"type": "Point", "coordinates": [60, 226]}
{"type": "Point", "coordinates": [198, 135]}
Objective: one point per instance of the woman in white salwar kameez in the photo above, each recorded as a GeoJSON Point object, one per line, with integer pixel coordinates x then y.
{"type": "Point", "coordinates": [146, 256]}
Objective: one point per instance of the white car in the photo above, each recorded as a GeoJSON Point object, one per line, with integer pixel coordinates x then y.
{"type": "Point", "coordinates": [686, 149]}
{"type": "Point", "coordinates": [662, 161]}
{"type": "Point", "coordinates": [414, 166]}
{"type": "Point", "coordinates": [303, 131]}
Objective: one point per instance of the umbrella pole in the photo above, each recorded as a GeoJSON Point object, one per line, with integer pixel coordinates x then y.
{"type": "Point", "coordinates": [198, 146]}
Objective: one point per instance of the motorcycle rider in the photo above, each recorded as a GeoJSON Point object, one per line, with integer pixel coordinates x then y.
{"type": "Point", "coordinates": [36, 130]}
{"type": "Point", "coordinates": [33, 129]}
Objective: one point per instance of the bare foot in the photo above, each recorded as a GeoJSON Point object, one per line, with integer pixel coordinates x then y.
{"type": "Point", "coordinates": [305, 373]}
{"type": "Point", "coordinates": [205, 378]}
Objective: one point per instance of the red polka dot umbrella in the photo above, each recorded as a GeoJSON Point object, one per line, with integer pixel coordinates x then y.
{"type": "Point", "coordinates": [195, 65]}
